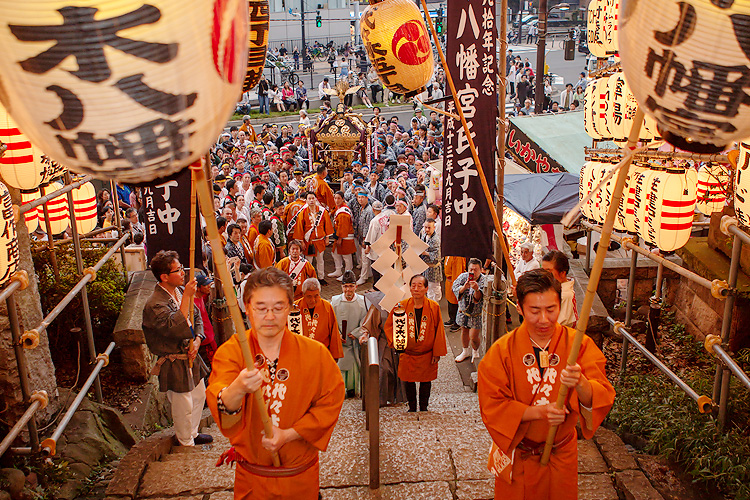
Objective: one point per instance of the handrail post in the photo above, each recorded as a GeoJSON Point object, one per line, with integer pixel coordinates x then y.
{"type": "Point", "coordinates": [373, 410]}
{"type": "Point", "coordinates": [39, 400]}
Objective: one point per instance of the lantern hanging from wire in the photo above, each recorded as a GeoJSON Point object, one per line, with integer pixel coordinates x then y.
{"type": "Point", "coordinates": [57, 209]}
{"type": "Point", "coordinates": [742, 185]}
{"type": "Point", "coordinates": [257, 43]}
{"type": "Point", "coordinates": [625, 220]}
{"type": "Point", "coordinates": [84, 208]}
{"type": "Point", "coordinates": [398, 45]}
{"type": "Point", "coordinates": [687, 62]}
{"type": "Point", "coordinates": [595, 28]}
{"type": "Point", "coordinates": [611, 39]}
{"type": "Point", "coordinates": [23, 166]}
{"type": "Point", "coordinates": [641, 198]}
{"type": "Point", "coordinates": [152, 87]}
{"type": "Point", "coordinates": [713, 186]}
{"type": "Point", "coordinates": [31, 218]}
{"type": "Point", "coordinates": [8, 238]}
{"type": "Point", "coordinates": [671, 208]}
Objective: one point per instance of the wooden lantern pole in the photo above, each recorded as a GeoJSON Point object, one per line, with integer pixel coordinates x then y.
{"type": "Point", "coordinates": [475, 156]}
{"type": "Point", "coordinates": [596, 272]}
{"type": "Point", "coordinates": [191, 258]}
{"type": "Point", "coordinates": [212, 230]}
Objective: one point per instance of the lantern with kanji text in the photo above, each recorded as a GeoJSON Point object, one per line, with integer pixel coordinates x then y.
{"type": "Point", "coordinates": [8, 238]}
{"type": "Point", "coordinates": [742, 185]}
{"type": "Point", "coordinates": [670, 208]}
{"type": "Point", "coordinates": [688, 64]}
{"type": "Point", "coordinates": [122, 90]}
{"type": "Point", "coordinates": [595, 28]}
{"type": "Point", "coordinates": [398, 45]}
{"type": "Point", "coordinates": [713, 186]}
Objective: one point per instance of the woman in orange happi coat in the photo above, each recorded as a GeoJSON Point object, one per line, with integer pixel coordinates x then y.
{"type": "Point", "coordinates": [425, 345]}
{"type": "Point", "coordinates": [302, 388]}
{"type": "Point", "coordinates": [318, 319]}
{"type": "Point", "coordinates": [519, 379]}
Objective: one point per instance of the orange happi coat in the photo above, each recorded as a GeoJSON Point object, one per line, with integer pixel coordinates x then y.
{"type": "Point", "coordinates": [324, 193]}
{"type": "Point", "coordinates": [302, 270]}
{"type": "Point", "coordinates": [265, 253]}
{"type": "Point", "coordinates": [305, 222]}
{"type": "Point", "coordinates": [309, 399]}
{"type": "Point", "coordinates": [342, 226]}
{"type": "Point", "coordinates": [415, 363]}
{"type": "Point", "coordinates": [252, 233]}
{"type": "Point", "coordinates": [510, 381]}
{"type": "Point", "coordinates": [322, 326]}
{"type": "Point", "coordinates": [291, 210]}
{"type": "Point", "coordinates": [454, 266]}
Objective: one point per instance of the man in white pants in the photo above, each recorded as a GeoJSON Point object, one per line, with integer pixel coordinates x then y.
{"type": "Point", "coordinates": [175, 338]}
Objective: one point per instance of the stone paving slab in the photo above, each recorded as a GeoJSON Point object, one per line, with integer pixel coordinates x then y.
{"type": "Point", "coordinates": [222, 495]}
{"type": "Point", "coordinates": [195, 476]}
{"type": "Point", "coordinates": [590, 461]}
{"type": "Point", "coordinates": [613, 450]}
{"type": "Point", "coordinates": [596, 487]}
{"type": "Point", "coordinates": [635, 486]}
{"type": "Point", "coordinates": [470, 458]}
{"type": "Point", "coordinates": [434, 490]}
{"type": "Point", "coordinates": [476, 490]}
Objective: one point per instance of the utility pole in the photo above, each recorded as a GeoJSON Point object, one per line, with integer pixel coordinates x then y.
{"type": "Point", "coordinates": [539, 85]}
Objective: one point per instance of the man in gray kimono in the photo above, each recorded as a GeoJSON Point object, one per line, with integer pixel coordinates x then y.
{"type": "Point", "coordinates": [175, 339]}
{"type": "Point", "coordinates": [351, 309]}
{"type": "Point", "coordinates": [431, 257]}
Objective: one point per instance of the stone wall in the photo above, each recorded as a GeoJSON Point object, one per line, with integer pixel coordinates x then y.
{"type": "Point", "coordinates": [645, 276]}
{"type": "Point", "coordinates": [137, 360]}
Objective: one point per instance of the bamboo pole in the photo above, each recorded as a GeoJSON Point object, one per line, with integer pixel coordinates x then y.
{"type": "Point", "coordinates": [191, 258]}
{"type": "Point", "coordinates": [475, 156]}
{"type": "Point", "coordinates": [596, 273]}
{"type": "Point", "coordinates": [206, 205]}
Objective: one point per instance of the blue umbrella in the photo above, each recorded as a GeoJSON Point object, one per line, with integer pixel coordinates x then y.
{"type": "Point", "coordinates": [541, 198]}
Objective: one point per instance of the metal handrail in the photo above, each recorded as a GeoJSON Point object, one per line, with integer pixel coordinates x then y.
{"type": "Point", "coordinates": [39, 401]}
{"type": "Point", "coordinates": [719, 288]}
{"type": "Point", "coordinates": [44, 199]}
{"type": "Point", "coordinates": [704, 402]}
{"type": "Point", "coordinates": [713, 346]}
{"type": "Point", "coordinates": [18, 281]}
{"type": "Point", "coordinates": [371, 404]}
{"type": "Point", "coordinates": [89, 275]}
{"type": "Point", "coordinates": [49, 445]}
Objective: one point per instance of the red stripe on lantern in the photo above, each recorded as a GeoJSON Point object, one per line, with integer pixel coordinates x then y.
{"type": "Point", "coordinates": [15, 160]}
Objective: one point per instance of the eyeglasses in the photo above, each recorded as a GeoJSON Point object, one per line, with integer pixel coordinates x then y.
{"type": "Point", "coordinates": [276, 310]}
{"type": "Point", "coordinates": [178, 270]}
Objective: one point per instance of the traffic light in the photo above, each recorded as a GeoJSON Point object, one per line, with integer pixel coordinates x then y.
{"type": "Point", "coordinates": [318, 20]}
{"type": "Point", "coordinates": [439, 21]}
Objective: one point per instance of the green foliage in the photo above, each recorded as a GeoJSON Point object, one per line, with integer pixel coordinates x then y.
{"type": "Point", "coordinates": [105, 294]}
{"type": "Point", "coordinates": [653, 408]}
{"type": "Point", "coordinates": [52, 474]}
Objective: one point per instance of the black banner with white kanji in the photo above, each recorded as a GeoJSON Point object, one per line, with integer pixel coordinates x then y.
{"type": "Point", "coordinates": [471, 49]}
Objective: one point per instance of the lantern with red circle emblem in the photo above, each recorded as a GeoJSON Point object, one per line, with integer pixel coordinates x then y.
{"type": "Point", "coordinates": [117, 89]}
{"type": "Point", "coordinates": [398, 45]}
{"type": "Point", "coordinates": [84, 207]}
{"type": "Point", "coordinates": [23, 166]}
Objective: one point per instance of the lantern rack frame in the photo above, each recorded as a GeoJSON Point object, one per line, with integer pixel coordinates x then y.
{"type": "Point", "coordinates": [723, 290]}
{"type": "Point", "coordinates": [666, 155]}
{"type": "Point", "coordinates": [606, 70]}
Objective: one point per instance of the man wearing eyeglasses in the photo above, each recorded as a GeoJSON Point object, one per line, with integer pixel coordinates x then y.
{"type": "Point", "coordinates": [174, 336]}
{"type": "Point", "coordinates": [302, 388]}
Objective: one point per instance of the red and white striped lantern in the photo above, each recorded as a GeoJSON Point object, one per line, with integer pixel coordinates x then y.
{"type": "Point", "coordinates": [585, 185]}
{"type": "Point", "coordinates": [625, 220]}
{"type": "Point", "coordinates": [8, 238]}
{"type": "Point", "coordinates": [713, 186]}
{"type": "Point", "coordinates": [59, 217]}
{"type": "Point", "coordinates": [31, 218]}
{"type": "Point", "coordinates": [641, 198]}
{"type": "Point", "coordinates": [671, 208]}
{"type": "Point", "coordinates": [23, 166]}
{"type": "Point", "coordinates": [84, 208]}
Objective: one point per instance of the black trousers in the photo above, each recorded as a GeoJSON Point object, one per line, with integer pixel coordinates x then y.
{"type": "Point", "coordinates": [424, 395]}
{"type": "Point", "coordinates": [452, 311]}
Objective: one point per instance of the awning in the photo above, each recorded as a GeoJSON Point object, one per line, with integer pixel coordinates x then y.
{"type": "Point", "coordinates": [546, 143]}
{"type": "Point", "coordinates": [541, 198]}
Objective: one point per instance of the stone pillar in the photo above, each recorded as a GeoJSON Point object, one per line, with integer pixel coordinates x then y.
{"type": "Point", "coordinates": [39, 360]}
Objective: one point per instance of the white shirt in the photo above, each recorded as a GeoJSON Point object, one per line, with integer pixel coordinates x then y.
{"type": "Point", "coordinates": [522, 266]}
{"type": "Point", "coordinates": [568, 313]}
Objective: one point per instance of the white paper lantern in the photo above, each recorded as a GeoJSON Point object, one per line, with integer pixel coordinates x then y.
{"type": "Point", "coordinates": [84, 208]}
{"type": "Point", "coordinates": [742, 185]}
{"type": "Point", "coordinates": [602, 97]}
{"type": "Point", "coordinates": [400, 330]}
{"type": "Point", "coordinates": [603, 198]}
{"type": "Point", "coordinates": [625, 220]}
{"type": "Point", "coordinates": [23, 166]}
{"type": "Point", "coordinates": [590, 109]}
{"type": "Point", "coordinates": [57, 208]}
{"type": "Point", "coordinates": [687, 64]}
{"type": "Point", "coordinates": [671, 208]}
{"type": "Point", "coordinates": [595, 28]}
{"type": "Point", "coordinates": [713, 186]}
{"type": "Point", "coordinates": [611, 39]}
{"type": "Point", "coordinates": [641, 197]}
{"type": "Point", "coordinates": [586, 185]}
{"type": "Point", "coordinates": [119, 89]}
{"type": "Point", "coordinates": [31, 218]}
{"type": "Point", "coordinates": [8, 238]}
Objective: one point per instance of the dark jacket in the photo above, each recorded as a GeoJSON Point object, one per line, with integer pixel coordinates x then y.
{"type": "Point", "coordinates": [166, 330]}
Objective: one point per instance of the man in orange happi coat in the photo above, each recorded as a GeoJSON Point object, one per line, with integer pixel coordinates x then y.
{"type": "Point", "coordinates": [256, 215]}
{"type": "Point", "coordinates": [265, 253]}
{"type": "Point", "coordinates": [323, 191]}
{"type": "Point", "coordinates": [313, 226]}
{"type": "Point", "coordinates": [343, 230]}
{"type": "Point", "coordinates": [426, 343]}
{"type": "Point", "coordinates": [318, 319]}
{"type": "Point", "coordinates": [296, 267]}
{"type": "Point", "coordinates": [454, 266]}
{"type": "Point", "coordinates": [519, 379]}
{"type": "Point", "coordinates": [301, 385]}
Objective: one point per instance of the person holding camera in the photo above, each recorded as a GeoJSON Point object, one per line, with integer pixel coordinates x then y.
{"type": "Point", "coordinates": [468, 288]}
